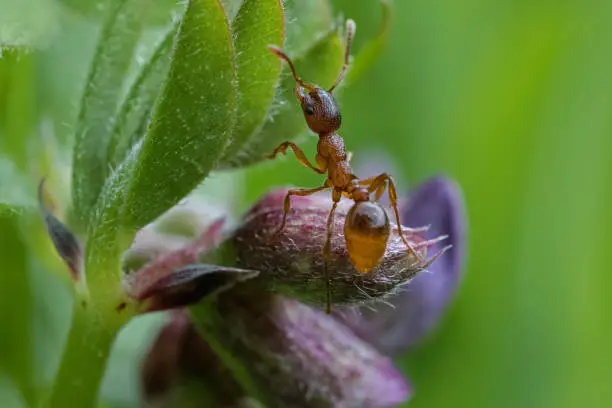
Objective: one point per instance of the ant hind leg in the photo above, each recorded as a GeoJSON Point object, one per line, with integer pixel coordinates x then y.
{"type": "Point", "coordinates": [336, 196]}
{"type": "Point", "coordinates": [377, 184]}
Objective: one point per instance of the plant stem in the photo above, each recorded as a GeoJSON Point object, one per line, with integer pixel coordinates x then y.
{"type": "Point", "coordinates": [83, 364]}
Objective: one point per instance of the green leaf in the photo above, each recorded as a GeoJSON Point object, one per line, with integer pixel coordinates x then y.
{"type": "Point", "coordinates": [321, 65]}
{"type": "Point", "coordinates": [99, 104]}
{"type": "Point", "coordinates": [370, 52]}
{"type": "Point", "coordinates": [193, 119]}
{"type": "Point", "coordinates": [134, 115]}
{"type": "Point", "coordinates": [157, 11]}
{"type": "Point", "coordinates": [257, 24]}
{"type": "Point", "coordinates": [306, 22]}
{"type": "Point", "coordinates": [231, 7]}
{"type": "Point", "coordinates": [15, 303]}
{"type": "Point", "coordinates": [17, 102]}
{"type": "Point", "coordinates": [27, 23]}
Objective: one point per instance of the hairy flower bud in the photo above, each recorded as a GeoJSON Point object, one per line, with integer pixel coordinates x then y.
{"type": "Point", "coordinates": [180, 365]}
{"type": "Point", "coordinates": [177, 278]}
{"type": "Point", "coordinates": [291, 261]}
{"type": "Point", "coordinates": [300, 357]}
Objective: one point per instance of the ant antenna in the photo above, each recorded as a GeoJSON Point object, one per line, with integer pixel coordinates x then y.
{"type": "Point", "coordinates": [350, 33]}
{"type": "Point", "coordinates": [277, 51]}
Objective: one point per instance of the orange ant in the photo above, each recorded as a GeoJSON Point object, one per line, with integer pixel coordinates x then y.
{"type": "Point", "coordinates": [367, 228]}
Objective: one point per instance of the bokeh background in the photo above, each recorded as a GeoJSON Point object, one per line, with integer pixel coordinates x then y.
{"type": "Point", "coordinates": [513, 98]}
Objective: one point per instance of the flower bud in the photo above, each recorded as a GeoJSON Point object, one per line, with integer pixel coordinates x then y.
{"type": "Point", "coordinates": [300, 357]}
{"type": "Point", "coordinates": [64, 240]}
{"type": "Point", "coordinates": [291, 261]}
{"type": "Point", "coordinates": [177, 278]}
{"type": "Point", "coordinates": [178, 361]}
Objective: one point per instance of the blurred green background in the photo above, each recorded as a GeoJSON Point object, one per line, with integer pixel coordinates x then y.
{"type": "Point", "coordinates": [513, 98]}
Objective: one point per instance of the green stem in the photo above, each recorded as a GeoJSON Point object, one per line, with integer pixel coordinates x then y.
{"type": "Point", "coordinates": [82, 368]}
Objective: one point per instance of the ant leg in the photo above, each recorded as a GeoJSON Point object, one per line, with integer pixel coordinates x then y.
{"type": "Point", "coordinates": [299, 154]}
{"type": "Point", "coordinates": [368, 182]}
{"type": "Point", "coordinates": [336, 196]}
{"type": "Point", "coordinates": [297, 192]}
{"type": "Point", "coordinates": [377, 184]}
{"type": "Point", "coordinates": [379, 192]}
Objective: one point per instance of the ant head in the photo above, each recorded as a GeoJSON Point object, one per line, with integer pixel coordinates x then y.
{"type": "Point", "coordinates": [319, 106]}
{"type": "Point", "coordinates": [320, 109]}
{"type": "Point", "coordinates": [366, 231]}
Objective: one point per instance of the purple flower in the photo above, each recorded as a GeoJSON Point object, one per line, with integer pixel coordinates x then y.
{"type": "Point", "coordinates": [288, 353]}
{"type": "Point", "coordinates": [180, 359]}
{"type": "Point", "coordinates": [291, 261]}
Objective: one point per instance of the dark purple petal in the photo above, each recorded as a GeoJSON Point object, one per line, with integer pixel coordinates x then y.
{"type": "Point", "coordinates": [65, 242]}
{"type": "Point", "coordinates": [413, 313]}
{"type": "Point", "coordinates": [177, 279]}
{"type": "Point", "coordinates": [291, 262]}
{"type": "Point", "coordinates": [188, 285]}
{"type": "Point", "coordinates": [300, 357]}
{"type": "Point", "coordinates": [179, 357]}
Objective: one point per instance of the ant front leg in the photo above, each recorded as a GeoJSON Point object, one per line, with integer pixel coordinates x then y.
{"type": "Point", "coordinates": [336, 196]}
{"type": "Point", "coordinates": [302, 192]}
{"type": "Point", "coordinates": [378, 184]}
{"type": "Point", "coordinates": [299, 154]}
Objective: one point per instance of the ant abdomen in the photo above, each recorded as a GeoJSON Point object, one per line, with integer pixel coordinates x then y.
{"type": "Point", "coordinates": [366, 231]}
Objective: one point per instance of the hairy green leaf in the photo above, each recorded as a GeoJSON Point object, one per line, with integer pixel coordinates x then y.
{"type": "Point", "coordinates": [257, 24]}
{"type": "Point", "coordinates": [193, 119]}
{"type": "Point", "coordinates": [27, 23]}
{"type": "Point", "coordinates": [134, 115]}
{"type": "Point", "coordinates": [99, 104]}
{"type": "Point", "coordinates": [305, 23]}
{"type": "Point", "coordinates": [157, 11]}
{"type": "Point", "coordinates": [15, 303]}
{"type": "Point", "coordinates": [321, 65]}
{"type": "Point", "coordinates": [231, 7]}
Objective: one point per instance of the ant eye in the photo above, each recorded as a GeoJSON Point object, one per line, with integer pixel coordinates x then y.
{"type": "Point", "coordinates": [308, 110]}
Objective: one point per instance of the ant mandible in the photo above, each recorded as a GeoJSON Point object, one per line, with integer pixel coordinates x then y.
{"type": "Point", "coordinates": [367, 228]}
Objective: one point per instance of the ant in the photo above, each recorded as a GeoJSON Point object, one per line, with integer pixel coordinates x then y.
{"type": "Point", "coordinates": [367, 226]}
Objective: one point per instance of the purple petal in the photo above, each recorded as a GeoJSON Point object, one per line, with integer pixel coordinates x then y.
{"type": "Point", "coordinates": [190, 284]}
{"type": "Point", "coordinates": [179, 357]}
{"type": "Point", "coordinates": [177, 279]}
{"type": "Point", "coordinates": [300, 357]}
{"type": "Point", "coordinates": [413, 313]}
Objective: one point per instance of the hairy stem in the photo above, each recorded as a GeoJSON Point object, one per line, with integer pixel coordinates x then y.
{"type": "Point", "coordinates": [83, 364]}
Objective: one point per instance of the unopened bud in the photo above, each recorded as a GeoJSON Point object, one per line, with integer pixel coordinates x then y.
{"type": "Point", "coordinates": [291, 260]}
{"type": "Point", "coordinates": [64, 240]}
{"type": "Point", "coordinates": [300, 357]}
